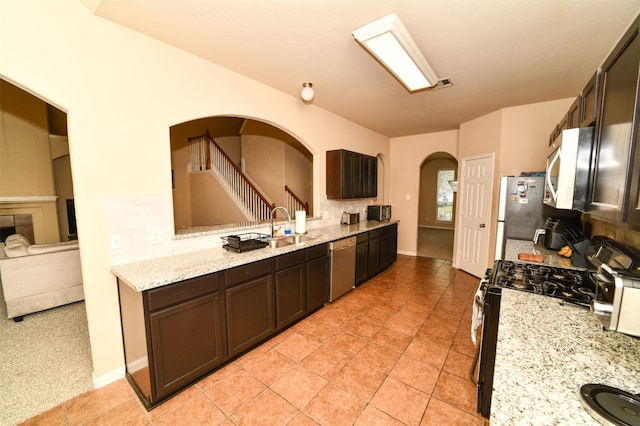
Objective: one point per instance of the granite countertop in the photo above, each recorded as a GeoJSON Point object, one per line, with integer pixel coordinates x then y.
{"type": "Point", "coordinates": [551, 257]}
{"type": "Point", "coordinates": [148, 274]}
{"type": "Point", "coordinates": [545, 352]}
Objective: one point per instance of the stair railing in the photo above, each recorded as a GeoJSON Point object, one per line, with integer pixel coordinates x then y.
{"type": "Point", "coordinates": [292, 202]}
{"type": "Point", "coordinates": [213, 158]}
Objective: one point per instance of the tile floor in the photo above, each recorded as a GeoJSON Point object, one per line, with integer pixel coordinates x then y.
{"type": "Point", "coordinates": [395, 351]}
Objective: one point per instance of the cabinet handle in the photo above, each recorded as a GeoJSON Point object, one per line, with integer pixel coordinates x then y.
{"type": "Point", "coordinates": [482, 225]}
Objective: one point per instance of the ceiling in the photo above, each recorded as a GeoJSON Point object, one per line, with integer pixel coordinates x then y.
{"type": "Point", "coordinates": [498, 53]}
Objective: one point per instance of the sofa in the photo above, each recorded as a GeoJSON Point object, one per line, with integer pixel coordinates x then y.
{"type": "Point", "coordinates": [39, 277]}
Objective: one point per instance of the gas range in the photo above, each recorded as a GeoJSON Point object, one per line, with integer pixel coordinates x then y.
{"type": "Point", "coordinates": [570, 285]}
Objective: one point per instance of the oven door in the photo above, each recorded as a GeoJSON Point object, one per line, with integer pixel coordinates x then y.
{"type": "Point", "coordinates": [488, 349]}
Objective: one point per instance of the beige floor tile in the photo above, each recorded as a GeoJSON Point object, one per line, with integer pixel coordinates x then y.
{"type": "Point", "coordinates": [235, 390]}
{"type": "Point", "coordinates": [334, 406]}
{"type": "Point", "coordinates": [401, 401]}
{"type": "Point", "coordinates": [325, 361]}
{"type": "Point", "coordinates": [199, 410]}
{"type": "Point", "coordinates": [416, 374]}
{"type": "Point", "coordinates": [360, 380]}
{"type": "Point", "coordinates": [269, 366]}
{"type": "Point", "coordinates": [296, 347]}
{"type": "Point", "coordinates": [298, 386]}
{"type": "Point", "coordinates": [440, 413]}
{"type": "Point", "coordinates": [268, 408]}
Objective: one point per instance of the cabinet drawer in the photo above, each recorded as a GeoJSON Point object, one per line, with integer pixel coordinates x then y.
{"type": "Point", "coordinates": [287, 260]}
{"type": "Point", "coordinates": [185, 290]}
{"type": "Point", "coordinates": [362, 237]}
{"type": "Point", "coordinates": [384, 231]}
{"type": "Point", "coordinates": [374, 234]}
{"type": "Point", "coordinates": [317, 251]}
{"type": "Point", "coordinates": [247, 272]}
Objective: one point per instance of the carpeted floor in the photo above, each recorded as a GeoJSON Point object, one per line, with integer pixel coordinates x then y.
{"type": "Point", "coordinates": [435, 243]}
{"type": "Point", "coordinates": [44, 361]}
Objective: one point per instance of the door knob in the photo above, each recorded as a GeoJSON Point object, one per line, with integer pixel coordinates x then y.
{"type": "Point", "coordinates": [482, 225]}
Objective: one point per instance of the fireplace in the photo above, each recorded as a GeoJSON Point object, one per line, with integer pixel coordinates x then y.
{"type": "Point", "coordinates": [16, 224]}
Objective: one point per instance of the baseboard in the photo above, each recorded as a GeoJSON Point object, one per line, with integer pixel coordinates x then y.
{"type": "Point", "coordinates": [110, 377]}
{"type": "Point", "coordinates": [408, 253]}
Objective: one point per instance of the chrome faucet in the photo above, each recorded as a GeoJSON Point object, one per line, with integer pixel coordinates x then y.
{"type": "Point", "coordinates": [272, 211]}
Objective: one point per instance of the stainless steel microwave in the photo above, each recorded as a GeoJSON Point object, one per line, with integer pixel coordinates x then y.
{"type": "Point", "coordinates": [379, 212]}
{"type": "Point", "coordinates": [566, 183]}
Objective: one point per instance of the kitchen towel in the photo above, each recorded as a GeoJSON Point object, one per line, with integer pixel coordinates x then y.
{"type": "Point", "coordinates": [301, 221]}
{"type": "Point", "coordinates": [476, 317]}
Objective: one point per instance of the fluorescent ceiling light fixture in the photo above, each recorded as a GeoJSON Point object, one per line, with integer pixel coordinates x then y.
{"type": "Point", "coordinates": [390, 43]}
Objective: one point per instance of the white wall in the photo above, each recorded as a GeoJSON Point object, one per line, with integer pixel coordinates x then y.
{"type": "Point", "coordinates": [122, 91]}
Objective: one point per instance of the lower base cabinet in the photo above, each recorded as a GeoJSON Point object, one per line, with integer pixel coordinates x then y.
{"type": "Point", "coordinates": [376, 250]}
{"type": "Point", "coordinates": [317, 276]}
{"type": "Point", "coordinates": [250, 314]}
{"type": "Point", "coordinates": [172, 335]}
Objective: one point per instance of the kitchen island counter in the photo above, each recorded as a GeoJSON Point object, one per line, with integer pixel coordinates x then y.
{"type": "Point", "coordinates": [546, 350]}
{"type": "Point", "coordinates": [152, 273]}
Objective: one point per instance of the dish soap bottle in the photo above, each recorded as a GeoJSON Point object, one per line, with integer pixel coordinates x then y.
{"type": "Point", "coordinates": [287, 229]}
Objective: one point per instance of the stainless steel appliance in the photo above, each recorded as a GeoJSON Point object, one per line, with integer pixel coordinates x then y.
{"type": "Point", "coordinates": [343, 267]}
{"type": "Point", "coordinates": [349, 218]}
{"type": "Point", "coordinates": [569, 169]}
{"type": "Point", "coordinates": [521, 211]}
{"type": "Point", "coordinates": [593, 288]}
{"type": "Point", "coordinates": [379, 212]}
{"type": "Point", "coordinates": [618, 279]}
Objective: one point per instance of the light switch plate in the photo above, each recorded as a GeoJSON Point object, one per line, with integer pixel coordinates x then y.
{"type": "Point", "coordinates": [154, 236]}
{"type": "Point", "coordinates": [115, 241]}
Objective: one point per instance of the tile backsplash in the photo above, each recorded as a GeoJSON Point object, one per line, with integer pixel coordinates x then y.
{"type": "Point", "coordinates": [141, 228]}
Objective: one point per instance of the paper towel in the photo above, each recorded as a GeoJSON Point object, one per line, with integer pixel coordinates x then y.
{"type": "Point", "coordinates": [301, 221]}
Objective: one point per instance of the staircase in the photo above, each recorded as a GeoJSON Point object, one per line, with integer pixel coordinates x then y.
{"type": "Point", "coordinates": [206, 155]}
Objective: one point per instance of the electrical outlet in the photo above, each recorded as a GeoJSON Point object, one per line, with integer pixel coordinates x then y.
{"type": "Point", "coordinates": [154, 236]}
{"type": "Point", "coordinates": [115, 241]}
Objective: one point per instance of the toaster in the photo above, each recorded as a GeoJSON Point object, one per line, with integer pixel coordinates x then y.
{"type": "Point", "coordinates": [349, 218]}
{"type": "Point", "coordinates": [621, 309]}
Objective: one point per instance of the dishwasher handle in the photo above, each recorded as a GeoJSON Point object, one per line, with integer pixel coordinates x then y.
{"type": "Point", "coordinates": [343, 244]}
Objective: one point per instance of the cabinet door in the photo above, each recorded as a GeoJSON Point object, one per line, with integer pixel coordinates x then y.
{"type": "Point", "coordinates": [290, 295]}
{"type": "Point", "coordinates": [589, 99]}
{"type": "Point", "coordinates": [373, 265]}
{"type": "Point", "coordinates": [574, 114]}
{"type": "Point", "coordinates": [384, 248]}
{"type": "Point", "coordinates": [370, 177]}
{"type": "Point", "coordinates": [347, 174]}
{"type": "Point", "coordinates": [317, 282]}
{"type": "Point", "coordinates": [356, 178]}
{"type": "Point", "coordinates": [393, 243]}
{"type": "Point", "coordinates": [633, 210]}
{"type": "Point", "coordinates": [619, 80]}
{"type": "Point", "coordinates": [187, 342]}
{"type": "Point", "coordinates": [362, 255]}
{"type": "Point", "coordinates": [250, 313]}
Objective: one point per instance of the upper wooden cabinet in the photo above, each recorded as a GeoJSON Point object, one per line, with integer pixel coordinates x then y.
{"type": "Point", "coordinates": [589, 101]}
{"type": "Point", "coordinates": [351, 175]}
{"type": "Point", "coordinates": [617, 130]}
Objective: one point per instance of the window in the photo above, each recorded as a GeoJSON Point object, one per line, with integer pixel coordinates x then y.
{"type": "Point", "coordinates": [444, 202]}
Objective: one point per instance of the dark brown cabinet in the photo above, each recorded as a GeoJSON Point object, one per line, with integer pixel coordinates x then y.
{"type": "Point", "coordinates": [384, 248]}
{"type": "Point", "coordinates": [172, 335]}
{"type": "Point", "coordinates": [351, 175]}
{"type": "Point", "coordinates": [573, 115]}
{"type": "Point", "coordinates": [290, 288]}
{"type": "Point", "coordinates": [393, 243]}
{"type": "Point", "coordinates": [186, 342]}
{"type": "Point", "coordinates": [589, 101]}
{"type": "Point", "coordinates": [362, 257]}
{"type": "Point", "coordinates": [317, 276]}
{"type": "Point", "coordinates": [373, 258]}
{"type": "Point", "coordinates": [250, 305]}
{"type": "Point", "coordinates": [617, 132]}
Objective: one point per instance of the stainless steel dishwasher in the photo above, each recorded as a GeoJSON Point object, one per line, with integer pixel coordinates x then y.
{"type": "Point", "coordinates": [343, 267]}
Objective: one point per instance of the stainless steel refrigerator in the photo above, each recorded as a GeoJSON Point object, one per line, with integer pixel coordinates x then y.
{"type": "Point", "coordinates": [522, 210]}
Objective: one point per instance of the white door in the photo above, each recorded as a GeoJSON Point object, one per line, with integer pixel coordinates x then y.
{"type": "Point", "coordinates": [474, 194]}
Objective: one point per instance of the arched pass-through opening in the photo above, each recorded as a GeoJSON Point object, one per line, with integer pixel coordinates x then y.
{"type": "Point", "coordinates": [436, 207]}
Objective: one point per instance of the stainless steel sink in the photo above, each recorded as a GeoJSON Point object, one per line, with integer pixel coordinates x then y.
{"type": "Point", "coordinates": [287, 241]}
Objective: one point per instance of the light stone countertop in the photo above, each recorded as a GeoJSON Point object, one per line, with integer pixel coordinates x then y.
{"type": "Point", "coordinates": [551, 257]}
{"type": "Point", "coordinates": [545, 352]}
{"type": "Point", "coordinates": [148, 274]}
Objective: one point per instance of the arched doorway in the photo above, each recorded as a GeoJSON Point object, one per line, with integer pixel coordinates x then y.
{"type": "Point", "coordinates": [436, 209]}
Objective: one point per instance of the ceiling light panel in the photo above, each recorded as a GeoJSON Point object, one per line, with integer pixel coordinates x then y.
{"type": "Point", "coordinates": [390, 43]}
